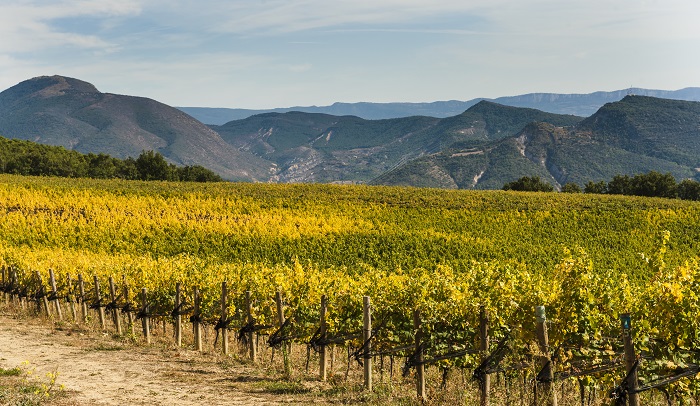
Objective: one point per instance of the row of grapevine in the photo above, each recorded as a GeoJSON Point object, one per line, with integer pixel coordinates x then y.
{"type": "Point", "coordinates": [583, 335]}
{"type": "Point", "coordinates": [588, 259]}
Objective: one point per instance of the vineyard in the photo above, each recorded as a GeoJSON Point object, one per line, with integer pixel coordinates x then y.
{"type": "Point", "coordinates": [431, 261]}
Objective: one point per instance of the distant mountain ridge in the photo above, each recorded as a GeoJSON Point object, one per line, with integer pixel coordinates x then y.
{"type": "Point", "coordinates": [483, 147]}
{"type": "Point", "coordinates": [63, 111]}
{"type": "Point", "coordinates": [314, 147]}
{"type": "Point", "coordinates": [634, 135]}
{"type": "Point", "coordinates": [575, 104]}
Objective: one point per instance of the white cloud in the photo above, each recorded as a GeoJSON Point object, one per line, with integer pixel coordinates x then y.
{"type": "Point", "coordinates": [239, 53]}
{"type": "Point", "coordinates": [666, 18]}
{"type": "Point", "coordinates": [272, 17]}
{"type": "Point", "coordinates": [25, 26]}
{"type": "Point", "coordinates": [304, 67]}
{"type": "Point", "coordinates": [631, 19]}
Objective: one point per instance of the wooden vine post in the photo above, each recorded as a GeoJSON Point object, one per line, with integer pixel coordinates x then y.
{"type": "Point", "coordinates": [178, 316]}
{"type": "Point", "coordinates": [9, 284]}
{"type": "Point", "coordinates": [98, 302]}
{"type": "Point", "coordinates": [547, 395]}
{"type": "Point", "coordinates": [196, 324]}
{"type": "Point", "coordinates": [281, 320]}
{"type": "Point", "coordinates": [4, 284]}
{"type": "Point", "coordinates": [54, 294]}
{"type": "Point", "coordinates": [322, 334]}
{"type": "Point", "coordinates": [420, 367]}
{"type": "Point", "coordinates": [366, 337]}
{"type": "Point", "coordinates": [42, 292]}
{"type": "Point", "coordinates": [12, 277]}
{"type": "Point", "coordinates": [83, 303]}
{"type": "Point", "coordinates": [485, 383]}
{"type": "Point", "coordinates": [630, 360]}
{"type": "Point", "coordinates": [115, 308]}
{"type": "Point", "coordinates": [129, 314]}
{"type": "Point", "coordinates": [71, 299]}
{"type": "Point", "coordinates": [251, 321]}
{"type": "Point", "coordinates": [224, 318]}
{"type": "Point", "coordinates": [145, 320]}
{"type": "Point", "coordinates": [15, 282]}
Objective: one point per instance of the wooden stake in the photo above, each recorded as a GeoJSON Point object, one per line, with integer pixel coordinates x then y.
{"type": "Point", "coordinates": [547, 395]}
{"type": "Point", "coordinates": [15, 283]}
{"type": "Point", "coordinates": [322, 332]}
{"type": "Point", "coordinates": [485, 384]}
{"type": "Point", "coordinates": [23, 301]}
{"type": "Point", "coordinates": [115, 311]}
{"type": "Point", "coordinates": [54, 291]}
{"type": "Point", "coordinates": [45, 299]}
{"type": "Point", "coordinates": [145, 321]}
{"type": "Point", "coordinates": [12, 275]}
{"type": "Point", "coordinates": [129, 314]}
{"type": "Point", "coordinates": [71, 299]}
{"type": "Point", "coordinates": [420, 367]}
{"type": "Point", "coordinates": [196, 325]}
{"type": "Point", "coordinates": [630, 360]}
{"type": "Point", "coordinates": [224, 317]}
{"type": "Point", "coordinates": [366, 336]}
{"type": "Point", "coordinates": [100, 307]}
{"type": "Point", "coordinates": [251, 335]}
{"type": "Point", "coordinates": [285, 346]}
{"type": "Point", "coordinates": [4, 283]}
{"type": "Point", "coordinates": [8, 295]}
{"type": "Point", "coordinates": [83, 304]}
{"type": "Point", "coordinates": [178, 317]}
{"type": "Point", "coordinates": [332, 359]}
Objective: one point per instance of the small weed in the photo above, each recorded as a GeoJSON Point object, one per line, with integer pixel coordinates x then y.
{"type": "Point", "coordinates": [17, 371]}
{"type": "Point", "coordinates": [20, 386]}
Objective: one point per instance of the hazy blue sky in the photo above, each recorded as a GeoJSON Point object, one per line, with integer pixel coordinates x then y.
{"type": "Point", "coordinates": [279, 53]}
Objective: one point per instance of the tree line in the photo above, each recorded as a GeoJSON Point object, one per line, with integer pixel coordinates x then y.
{"type": "Point", "coordinates": [29, 158]}
{"type": "Point", "coordinates": [651, 184]}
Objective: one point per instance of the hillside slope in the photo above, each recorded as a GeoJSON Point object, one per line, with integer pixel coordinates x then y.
{"type": "Point", "coordinates": [71, 113]}
{"type": "Point", "coordinates": [483, 147]}
{"type": "Point", "coordinates": [310, 147]}
{"type": "Point", "coordinates": [635, 135]}
{"type": "Point", "coordinates": [666, 129]}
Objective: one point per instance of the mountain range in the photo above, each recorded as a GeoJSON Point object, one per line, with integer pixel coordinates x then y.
{"type": "Point", "coordinates": [71, 113]}
{"type": "Point", "coordinates": [482, 147]}
{"type": "Point", "coordinates": [576, 104]}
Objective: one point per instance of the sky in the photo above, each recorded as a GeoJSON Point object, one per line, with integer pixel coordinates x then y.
{"type": "Point", "coordinates": [282, 53]}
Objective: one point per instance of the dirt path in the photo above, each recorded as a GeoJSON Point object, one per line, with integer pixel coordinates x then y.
{"type": "Point", "coordinates": [97, 370]}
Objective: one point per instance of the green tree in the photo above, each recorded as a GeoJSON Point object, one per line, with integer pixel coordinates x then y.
{"type": "Point", "coordinates": [597, 188]}
{"type": "Point", "coordinates": [197, 173]}
{"type": "Point", "coordinates": [620, 185]}
{"type": "Point", "coordinates": [153, 166]}
{"type": "Point", "coordinates": [529, 184]}
{"type": "Point", "coordinates": [688, 189]}
{"type": "Point", "coordinates": [101, 166]}
{"type": "Point", "coordinates": [22, 157]}
{"type": "Point", "coordinates": [127, 169]}
{"type": "Point", "coordinates": [571, 187]}
{"type": "Point", "coordinates": [654, 184]}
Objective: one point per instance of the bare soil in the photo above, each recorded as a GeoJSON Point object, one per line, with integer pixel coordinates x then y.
{"type": "Point", "coordinates": [98, 369]}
